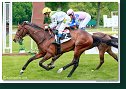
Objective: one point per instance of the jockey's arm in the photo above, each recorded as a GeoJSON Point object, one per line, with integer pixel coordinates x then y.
{"type": "Point", "coordinates": [52, 25]}
{"type": "Point", "coordinates": [74, 23]}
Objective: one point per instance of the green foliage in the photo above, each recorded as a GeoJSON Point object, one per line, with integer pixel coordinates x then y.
{"type": "Point", "coordinates": [22, 11]}
{"type": "Point", "coordinates": [92, 8]}
{"type": "Point", "coordinates": [56, 5]}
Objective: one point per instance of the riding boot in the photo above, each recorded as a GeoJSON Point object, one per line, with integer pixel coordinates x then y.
{"type": "Point", "coordinates": [58, 45]}
{"type": "Point", "coordinates": [58, 40]}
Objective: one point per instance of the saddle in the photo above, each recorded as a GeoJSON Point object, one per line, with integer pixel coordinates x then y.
{"type": "Point", "coordinates": [65, 36]}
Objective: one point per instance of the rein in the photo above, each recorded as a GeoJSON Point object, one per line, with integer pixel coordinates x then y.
{"type": "Point", "coordinates": [20, 35]}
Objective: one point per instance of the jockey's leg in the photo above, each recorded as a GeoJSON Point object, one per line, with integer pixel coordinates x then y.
{"type": "Point", "coordinates": [60, 29]}
{"type": "Point", "coordinates": [84, 22]}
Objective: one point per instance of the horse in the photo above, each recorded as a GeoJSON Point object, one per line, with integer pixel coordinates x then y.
{"type": "Point", "coordinates": [80, 41]}
{"type": "Point", "coordinates": [102, 48]}
{"type": "Point", "coordinates": [105, 47]}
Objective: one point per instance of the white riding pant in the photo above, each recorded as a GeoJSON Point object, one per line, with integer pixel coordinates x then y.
{"type": "Point", "coordinates": [84, 22]}
{"type": "Point", "coordinates": [61, 26]}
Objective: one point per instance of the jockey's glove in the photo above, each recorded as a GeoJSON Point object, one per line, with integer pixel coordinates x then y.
{"type": "Point", "coordinates": [73, 24]}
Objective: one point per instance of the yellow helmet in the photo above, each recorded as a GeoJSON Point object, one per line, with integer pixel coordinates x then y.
{"type": "Point", "coordinates": [45, 10]}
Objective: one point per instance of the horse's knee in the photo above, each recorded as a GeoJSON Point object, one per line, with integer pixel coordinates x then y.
{"type": "Point", "coordinates": [76, 63]}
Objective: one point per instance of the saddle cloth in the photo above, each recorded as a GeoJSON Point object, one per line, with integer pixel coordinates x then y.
{"type": "Point", "coordinates": [65, 36]}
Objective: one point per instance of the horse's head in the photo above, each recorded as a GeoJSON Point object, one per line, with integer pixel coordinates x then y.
{"type": "Point", "coordinates": [21, 32]}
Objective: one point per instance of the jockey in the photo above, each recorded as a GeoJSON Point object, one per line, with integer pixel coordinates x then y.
{"type": "Point", "coordinates": [46, 11]}
{"type": "Point", "coordinates": [59, 21]}
{"type": "Point", "coordinates": [80, 19]}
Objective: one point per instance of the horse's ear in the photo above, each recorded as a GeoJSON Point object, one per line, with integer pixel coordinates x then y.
{"type": "Point", "coordinates": [19, 24]}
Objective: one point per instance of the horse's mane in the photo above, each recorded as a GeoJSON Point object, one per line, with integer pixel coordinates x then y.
{"type": "Point", "coordinates": [35, 26]}
{"type": "Point", "coordinates": [38, 28]}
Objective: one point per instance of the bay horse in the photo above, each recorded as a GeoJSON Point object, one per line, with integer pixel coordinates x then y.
{"type": "Point", "coordinates": [102, 48]}
{"type": "Point", "coordinates": [80, 41]}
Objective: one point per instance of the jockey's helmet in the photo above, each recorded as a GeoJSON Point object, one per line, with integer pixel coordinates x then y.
{"type": "Point", "coordinates": [70, 12]}
{"type": "Point", "coordinates": [46, 10]}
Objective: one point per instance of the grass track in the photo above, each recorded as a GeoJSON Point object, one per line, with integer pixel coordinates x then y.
{"type": "Point", "coordinates": [12, 65]}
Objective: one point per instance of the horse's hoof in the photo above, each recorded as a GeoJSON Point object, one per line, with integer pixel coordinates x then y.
{"type": "Point", "coordinates": [21, 72]}
{"type": "Point", "coordinates": [60, 70]}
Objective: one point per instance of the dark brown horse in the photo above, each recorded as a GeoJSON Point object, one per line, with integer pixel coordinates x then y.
{"type": "Point", "coordinates": [81, 41]}
{"type": "Point", "coordinates": [104, 47]}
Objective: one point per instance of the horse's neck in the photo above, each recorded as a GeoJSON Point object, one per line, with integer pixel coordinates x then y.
{"type": "Point", "coordinates": [37, 35]}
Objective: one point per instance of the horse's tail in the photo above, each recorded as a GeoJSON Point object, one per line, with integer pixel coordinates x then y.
{"type": "Point", "coordinates": [111, 42]}
{"type": "Point", "coordinates": [114, 38]}
{"type": "Point", "coordinates": [96, 41]}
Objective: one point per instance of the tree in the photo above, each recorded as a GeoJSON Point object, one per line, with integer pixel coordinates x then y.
{"type": "Point", "coordinates": [98, 15]}
{"type": "Point", "coordinates": [95, 9]}
{"type": "Point", "coordinates": [55, 5]}
{"type": "Point", "coordinates": [22, 11]}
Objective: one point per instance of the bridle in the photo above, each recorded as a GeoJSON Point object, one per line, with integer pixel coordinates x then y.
{"type": "Point", "coordinates": [20, 35]}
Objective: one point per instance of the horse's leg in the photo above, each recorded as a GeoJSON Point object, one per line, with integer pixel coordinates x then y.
{"type": "Point", "coordinates": [77, 52]}
{"type": "Point", "coordinates": [101, 55]}
{"type": "Point", "coordinates": [75, 65]}
{"type": "Point", "coordinates": [51, 64]}
{"type": "Point", "coordinates": [74, 62]}
{"type": "Point", "coordinates": [66, 66]}
{"type": "Point", "coordinates": [30, 60]}
{"type": "Point", "coordinates": [45, 58]}
{"type": "Point", "coordinates": [109, 51]}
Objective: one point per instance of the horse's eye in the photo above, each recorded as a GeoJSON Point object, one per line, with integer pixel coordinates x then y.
{"type": "Point", "coordinates": [18, 29]}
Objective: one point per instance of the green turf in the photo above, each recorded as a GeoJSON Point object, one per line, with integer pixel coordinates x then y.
{"type": "Point", "coordinates": [11, 66]}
